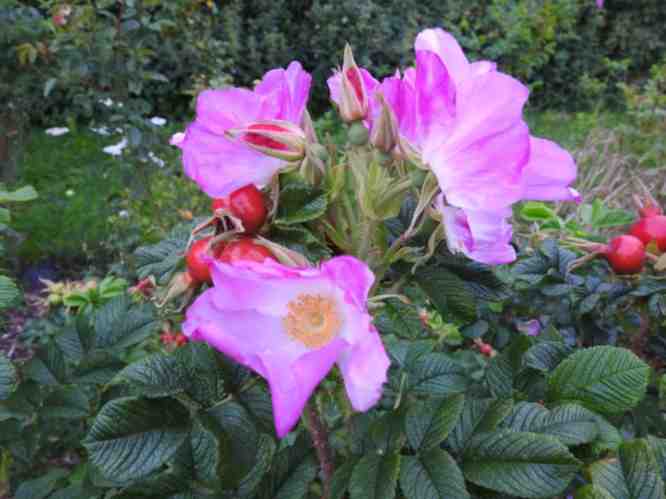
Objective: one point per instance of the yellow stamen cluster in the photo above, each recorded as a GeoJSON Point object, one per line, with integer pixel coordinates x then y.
{"type": "Point", "coordinates": [313, 320]}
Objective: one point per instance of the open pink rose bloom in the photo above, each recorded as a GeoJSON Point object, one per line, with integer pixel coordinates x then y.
{"type": "Point", "coordinates": [291, 326]}
{"type": "Point", "coordinates": [465, 120]}
{"type": "Point", "coordinates": [220, 164]}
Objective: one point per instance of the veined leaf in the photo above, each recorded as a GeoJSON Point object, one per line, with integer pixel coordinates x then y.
{"type": "Point", "coordinates": [432, 475]}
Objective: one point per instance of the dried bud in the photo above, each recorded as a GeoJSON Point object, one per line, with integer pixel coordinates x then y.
{"type": "Point", "coordinates": [385, 135]}
{"type": "Point", "coordinates": [353, 97]}
{"type": "Point", "coordinates": [280, 139]}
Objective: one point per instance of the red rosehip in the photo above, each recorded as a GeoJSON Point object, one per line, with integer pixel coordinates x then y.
{"type": "Point", "coordinates": [626, 254]}
{"type": "Point", "coordinates": [245, 249]}
{"type": "Point", "coordinates": [247, 204]}
{"type": "Point", "coordinates": [650, 211]}
{"type": "Point", "coordinates": [651, 229]}
{"type": "Point", "coordinates": [180, 339]}
{"type": "Point", "coordinates": [486, 349]}
{"type": "Point", "coordinates": [197, 260]}
{"type": "Point", "coordinates": [166, 338]}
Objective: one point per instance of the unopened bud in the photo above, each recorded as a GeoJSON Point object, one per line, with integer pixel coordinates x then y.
{"type": "Point", "coordinates": [279, 139]}
{"type": "Point", "coordinates": [385, 134]}
{"type": "Point", "coordinates": [353, 96]}
{"type": "Point", "coordinates": [358, 134]}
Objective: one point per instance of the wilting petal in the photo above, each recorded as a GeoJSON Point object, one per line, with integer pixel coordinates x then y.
{"type": "Point", "coordinates": [482, 236]}
{"type": "Point", "coordinates": [549, 172]}
{"type": "Point", "coordinates": [364, 368]}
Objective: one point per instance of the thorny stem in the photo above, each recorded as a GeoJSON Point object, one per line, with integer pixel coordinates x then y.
{"type": "Point", "coordinates": [319, 436]}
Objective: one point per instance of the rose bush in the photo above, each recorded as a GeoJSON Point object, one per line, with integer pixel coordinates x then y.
{"type": "Point", "coordinates": [354, 341]}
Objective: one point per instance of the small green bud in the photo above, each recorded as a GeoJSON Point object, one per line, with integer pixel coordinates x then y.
{"type": "Point", "coordinates": [358, 134]}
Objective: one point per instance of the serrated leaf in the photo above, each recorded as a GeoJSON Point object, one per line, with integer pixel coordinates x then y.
{"type": "Point", "coordinates": [478, 415]}
{"type": "Point", "coordinates": [658, 446]}
{"type": "Point", "coordinates": [608, 475]}
{"type": "Point", "coordinates": [210, 447]}
{"type": "Point", "coordinates": [8, 292]}
{"type": "Point", "coordinates": [499, 376]}
{"type": "Point", "coordinates": [447, 292]}
{"type": "Point", "coordinates": [8, 377]}
{"type": "Point", "coordinates": [519, 463]}
{"type": "Point", "coordinates": [432, 475]}
{"type": "Point", "coordinates": [48, 366]}
{"type": "Point", "coordinates": [375, 477]}
{"type": "Point", "coordinates": [571, 424]}
{"type": "Point", "coordinates": [132, 437]}
{"type": "Point", "coordinates": [262, 463]}
{"type": "Point", "coordinates": [237, 423]}
{"type": "Point", "coordinates": [296, 484]}
{"type": "Point", "coordinates": [641, 471]}
{"type": "Point", "coordinates": [341, 477]}
{"type": "Point", "coordinates": [428, 423]}
{"type": "Point", "coordinates": [609, 438]}
{"type": "Point", "coordinates": [300, 202]}
{"type": "Point", "coordinates": [436, 374]}
{"type": "Point", "coordinates": [121, 323]}
{"type": "Point", "coordinates": [157, 375]}
{"type": "Point", "coordinates": [547, 355]}
{"type": "Point", "coordinates": [161, 260]}
{"type": "Point", "coordinates": [604, 379]}
{"type": "Point", "coordinates": [399, 319]}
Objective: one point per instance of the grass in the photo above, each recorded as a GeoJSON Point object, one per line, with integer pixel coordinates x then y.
{"type": "Point", "coordinates": [84, 191]}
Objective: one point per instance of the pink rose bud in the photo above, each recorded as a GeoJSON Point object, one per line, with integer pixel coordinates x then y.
{"type": "Point", "coordinates": [385, 134]}
{"type": "Point", "coordinates": [59, 20]}
{"type": "Point", "coordinates": [353, 103]}
{"type": "Point", "coordinates": [276, 138]}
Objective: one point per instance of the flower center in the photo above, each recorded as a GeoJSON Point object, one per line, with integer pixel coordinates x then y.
{"type": "Point", "coordinates": [313, 320]}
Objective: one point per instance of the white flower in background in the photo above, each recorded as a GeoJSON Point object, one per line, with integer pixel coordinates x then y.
{"type": "Point", "coordinates": [158, 121]}
{"type": "Point", "coordinates": [105, 131]}
{"type": "Point", "coordinates": [116, 149]}
{"type": "Point", "coordinates": [57, 131]}
{"type": "Point", "coordinates": [177, 138]}
{"type": "Point", "coordinates": [123, 214]}
{"type": "Point", "coordinates": [69, 193]}
{"type": "Point", "coordinates": [107, 102]}
{"type": "Point", "coordinates": [155, 159]}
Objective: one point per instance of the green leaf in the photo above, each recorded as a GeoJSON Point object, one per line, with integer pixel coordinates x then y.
{"type": "Point", "coordinates": [39, 488]}
{"type": "Point", "coordinates": [432, 475]}
{"type": "Point", "coordinates": [547, 355]}
{"type": "Point", "coordinates": [658, 446]}
{"type": "Point", "coordinates": [48, 366]}
{"type": "Point", "coordinates": [8, 377]}
{"type": "Point", "coordinates": [22, 195]}
{"type": "Point", "coordinates": [210, 449]}
{"type": "Point", "coordinates": [571, 424]}
{"type": "Point", "coordinates": [8, 292]}
{"type": "Point", "coordinates": [447, 292]}
{"type": "Point", "coordinates": [436, 374]}
{"type": "Point", "coordinates": [375, 477]}
{"type": "Point", "coordinates": [300, 202]}
{"type": "Point", "coordinates": [122, 323]}
{"type": "Point", "coordinates": [428, 423]}
{"type": "Point", "coordinates": [608, 475]}
{"type": "Point", "coordinates": [158, 375]}
{"type": "Point", "coordinates": [161, 260]}
{"type": "Point", "coordinates": [592, 492]}
{"type": "Point", "coordinates": [133, 437]}
{"type": "Point", "coordinates": [533, 211]}
{"type": "Point", "coordinates": [292, 471]}
{"type": "Point", "coordinates": [262, 463]}
{"type": "Point", "coordinates": [478, 415]}
{"type": "Point", "coordinates": [67, 402]}
{"type": "Point", "coordinates": [499, 376]}
{"type": "Point", "coordinates": [609, 438]}
{"type": "Point", "coordinates": [519, 463]}
{"type": "Point", "coordinates": [399, 319]}
{"type": "Point", "coordinates": [605, 379]}
{"type": "Point", "coordinates": [295, 485]}
{"type": "Point", "coordinates": [341, 478]}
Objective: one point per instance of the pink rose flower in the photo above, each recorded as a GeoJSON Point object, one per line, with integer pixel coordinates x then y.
{"type": "Point", "coordinates": [220, 163]}
{"type": "Point", "coordinates": [291, 325]}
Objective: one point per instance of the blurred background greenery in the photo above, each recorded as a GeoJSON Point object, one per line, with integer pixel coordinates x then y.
{"type": "Point", "coordinates": [115, 64]}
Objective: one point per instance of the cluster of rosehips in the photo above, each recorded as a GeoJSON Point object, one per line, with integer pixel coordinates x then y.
{"type": "Point", "coordinates": [245, 204]}
{"type": "Point", "coordinates": [627, 253]}
{"type": "Point", "coordinates": [171, 339]}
